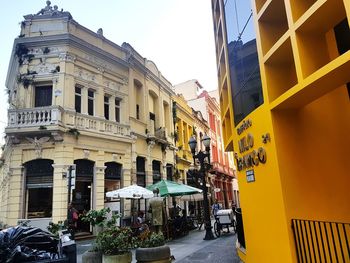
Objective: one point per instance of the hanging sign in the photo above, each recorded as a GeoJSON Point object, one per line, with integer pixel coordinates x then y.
{"type": "Point", "coordinates": [250, 176]}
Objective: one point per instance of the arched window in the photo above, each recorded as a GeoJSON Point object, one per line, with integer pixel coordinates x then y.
{"type": "Point", "coordinates": [140, 171]}
{"type": "Point", "coordinates": [169, 171]}
{"type": "Point", "coordinates": [84, 169]}
{"type": "Point", "coordinates": [156, 171]}
{"type": "Point", "coordinates": [113, 174]}
{"type": "Point", "coordinates": [39, 182]}
{"type": "Point", "coordinates": [138, 91]}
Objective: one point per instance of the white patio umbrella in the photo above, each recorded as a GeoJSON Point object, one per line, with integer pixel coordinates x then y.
{"type": "Point", "coordinates": [133, 192]}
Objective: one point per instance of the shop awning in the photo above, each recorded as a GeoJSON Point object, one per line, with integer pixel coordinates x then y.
{"type": "Point", "coordinates": [170, 188]}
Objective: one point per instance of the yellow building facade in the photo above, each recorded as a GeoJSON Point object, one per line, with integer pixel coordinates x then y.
{"type": "Point", "coordinates": [80, 106]}
{"type": "Point", "coordinates": [290, 138]}
{"type": "Point", "coordinates": [184, 130]}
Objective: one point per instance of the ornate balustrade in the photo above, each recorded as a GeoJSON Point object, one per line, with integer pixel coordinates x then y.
{"type": "Point", "coordinates": [55, 115]}
{"type": "Point", "coordinates": [161, 133]}
{"type": "Point", "coordinates": [91, 123]}
{"type": "Point", "coordinates": [43, 116]}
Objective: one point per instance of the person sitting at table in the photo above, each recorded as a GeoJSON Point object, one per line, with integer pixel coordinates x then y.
{"type": "Point", "coordinates": [180, 224]}
{"type": "Point", "coordinates": [140, 222]}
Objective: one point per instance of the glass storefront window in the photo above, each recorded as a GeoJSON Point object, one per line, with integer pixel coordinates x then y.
{"type": "Point", "coordinates": [39, 183]}
{"type": "Point", "coordinates": [243, 61]}
{"type": "Point", "coordinates": [39, 202]}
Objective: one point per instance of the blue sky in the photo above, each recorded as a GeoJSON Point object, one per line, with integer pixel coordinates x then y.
{"type": "Point", "coordinates": [176, 34]}
{"type": "Point", "coordinates": [240, 23]}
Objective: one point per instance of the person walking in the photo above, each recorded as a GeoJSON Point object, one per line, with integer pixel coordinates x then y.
{"type": "Point", "coordinates": [72, 217]}
{"type": "Point", "coordinates": [215, 208]}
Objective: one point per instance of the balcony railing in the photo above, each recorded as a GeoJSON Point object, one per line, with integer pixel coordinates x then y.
{"type": "Point", "coordinates": [318, 241]}
{"type": "Point", "coordinates": [43, 116]}
{"type": "Point", "coordinates": [161, 133]}
{"type": "Point", "coordinates": [55, 115]}
{"type": "Point", "coordinates": [86, 122]}
{"type": "Point", "coordinates": [218, 167]}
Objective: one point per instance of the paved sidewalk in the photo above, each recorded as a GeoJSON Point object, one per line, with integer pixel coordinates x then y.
{"type": "Point", "coordinates": [191, 248]}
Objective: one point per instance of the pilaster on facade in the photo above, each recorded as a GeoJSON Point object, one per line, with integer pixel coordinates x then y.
{"type": "Point", "coordinates": [99, 188]}
{"type": "Point", "coordinates": [60, 191]}
{"type": "Point", "coordinates": [133, 156]}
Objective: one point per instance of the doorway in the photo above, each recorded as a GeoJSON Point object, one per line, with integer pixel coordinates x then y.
{"type": "Point", "coordinates": [82, 193]}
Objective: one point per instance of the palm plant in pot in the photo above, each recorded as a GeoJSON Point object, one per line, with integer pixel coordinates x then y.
{"type": "Point", "coordinates": [115, 244]}
{"type": "Point", "coordinates": [152, 248]}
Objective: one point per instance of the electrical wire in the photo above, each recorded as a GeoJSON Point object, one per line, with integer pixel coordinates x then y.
{"type": "Point", "coordinates": [237, 22]}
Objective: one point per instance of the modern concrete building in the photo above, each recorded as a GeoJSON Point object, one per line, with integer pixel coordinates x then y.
{"type": "Point", "coordinates": [283, 72]}
{"type": "Point", "coordinates": [189, 89]}
{"type": "Point", "coordinates": [83, 106]}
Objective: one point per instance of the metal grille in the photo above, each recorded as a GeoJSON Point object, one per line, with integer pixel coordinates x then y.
{"type": "Point", "coordinates": [239, 227]}
{"type": "Point", "coordinates": [318, 241]}
{"type": "Point", "coordinates": [39, 181]}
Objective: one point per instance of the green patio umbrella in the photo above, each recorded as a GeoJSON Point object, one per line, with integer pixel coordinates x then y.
{"type": "Point", "coordinates": [170, 188]}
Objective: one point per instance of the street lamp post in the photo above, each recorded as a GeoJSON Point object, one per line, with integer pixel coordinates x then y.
{"type": "Point", "coordinates": [201, 156]}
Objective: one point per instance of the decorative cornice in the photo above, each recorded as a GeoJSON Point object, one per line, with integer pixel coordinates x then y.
{"type": "Point", "coordinates": [135, 63]}
{"type": "Point", "coordinates": [67, 57]}
{"type": "Point", "coordinates": [69, 39]}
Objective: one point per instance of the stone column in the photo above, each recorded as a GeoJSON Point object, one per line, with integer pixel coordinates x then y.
{"type": "Point", "coordinates": [126, 182]}
{"type": "Point", "coordinates": [63, 158]}
{"type": "Point", "coordinates": [60, 192]}
{"type": "Point", "coordinates": [99, 182]}
{"type": "Point", "coordinates": [66, 80]}
{"type": "Point", "coordinates": [111, 102]}
{"type": "Point", "coordinates": [99, 103]}
{"type": "Point", "coordinates": [149, 168]}
{"type": "Point", "coordinates": [15, 205]}
{"type": "Point", "coordinates": [84, 100]}
{"type": "Point", "coordinates": [99, 100]}
{"type": "Point", "coordinates": [163, 165]}
{"type": "Point", "coordinates": [133, 156]}
{"type": "Point", "coordinates": [161, 112]}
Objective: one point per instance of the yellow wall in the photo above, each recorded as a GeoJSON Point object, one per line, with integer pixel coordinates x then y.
{"type": "Point", "coordinates": [185, 122]}
{"type": "Point", "coordinates": [306, 111]}
{"type": "Point", "coordinates": [262, 201]}
{"type": "Point", "coordinates": [313, 153]}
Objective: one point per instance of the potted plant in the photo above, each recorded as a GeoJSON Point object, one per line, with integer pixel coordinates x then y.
{"type": "Point", "coordinates": [152, 248]}
{"type": "Point", "coordinates": [115, 244]}
{"type": "Point", "coordinates": [93, 255]}
{"type": "Point", "coordinates": [97, 218]}
{"type": "Point", "coordinates": [53, 228]}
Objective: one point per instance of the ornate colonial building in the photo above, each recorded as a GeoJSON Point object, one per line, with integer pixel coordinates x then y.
{"type": "Point", "coordinates": [81, 106]}
{"type": "Point", "coordinates": [184, 129]}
